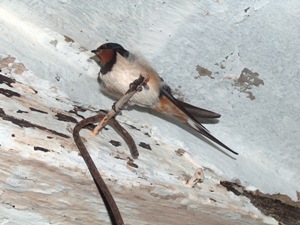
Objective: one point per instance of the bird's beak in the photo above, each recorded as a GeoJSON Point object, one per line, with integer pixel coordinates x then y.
{"type": "Point", "coordinates": [94, 51]}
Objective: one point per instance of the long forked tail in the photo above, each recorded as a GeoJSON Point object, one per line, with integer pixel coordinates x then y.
{"type": "Point", "coordinates": [192, 112]}
{"type": "Point", "coordinates": [212, 138]}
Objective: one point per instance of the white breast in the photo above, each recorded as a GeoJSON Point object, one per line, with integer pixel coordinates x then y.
{"type": "Point", "coordinates": [116, 82]}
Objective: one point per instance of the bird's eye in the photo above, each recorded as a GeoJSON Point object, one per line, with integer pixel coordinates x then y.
{"type": "Point", "coordinates": [108, 45]}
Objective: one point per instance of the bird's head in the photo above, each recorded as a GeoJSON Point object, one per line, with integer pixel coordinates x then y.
{"type": "Point", "coordinates": [107, 53]}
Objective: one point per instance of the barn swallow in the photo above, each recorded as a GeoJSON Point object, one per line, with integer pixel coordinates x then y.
{"type": "Point", "coordinates": [119, 68]}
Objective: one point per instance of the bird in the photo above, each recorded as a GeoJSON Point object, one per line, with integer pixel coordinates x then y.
{"type": "Point", "coordinates": [119, 68]}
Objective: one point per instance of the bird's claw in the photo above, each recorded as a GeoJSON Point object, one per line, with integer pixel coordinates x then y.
{"type": "Point", "coordinates": [138, 84]}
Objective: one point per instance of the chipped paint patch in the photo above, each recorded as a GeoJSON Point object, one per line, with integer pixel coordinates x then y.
{"type": "Point", "coordinates": [203, 72]}
{"type": "Point", "coordinates": [68, 39]}
{"type": "Point", "coordinates": [246, 81]}
{"type": "Point", "coordinates": [12, 65]}
{"type": "Point", "coordinates": [54, 42]}
{"type": "Point", "coordinates": [25, 123]}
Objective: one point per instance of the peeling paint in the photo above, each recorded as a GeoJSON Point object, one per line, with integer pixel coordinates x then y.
{"type": "Point", "coordinates": [6, 80]}
{"type": "Point", "coordinates": [11, 64]}
{"type": "Point", "coordinates": [115, 143]}
{"type": "Point", "coordinates": [203, 72]}
{"type": "Point", "coordinates": [246, 81]}
{"type": "Point", "coordinates": [37, 110]}
{"type": "Point", "coordinates": [9, 93]}
{"type": "Point", "coordinates": [25, 123]}
{"type": "Point", "coordinates": [60, 179]}
{"type": "Point", "coordinates": [145, 145]}
{"type": "Point", "coordinates": [38, 148]}
{"type": "Point", "coordinates": [65, 118]}
{"type": "Point", "coordinates": [54, 42]}
{"type": "Point", "coordinates": [68, 39]}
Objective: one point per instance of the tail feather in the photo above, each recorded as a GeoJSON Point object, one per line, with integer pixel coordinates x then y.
{"type": "Point", "coordinates": [198, 112]}
{"type": "Point", "coordinates": [192, 112]}
{"type": "Point", "coordinates": [212, 138]}
{"type": "Point", "coordinates": [166, 93]}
